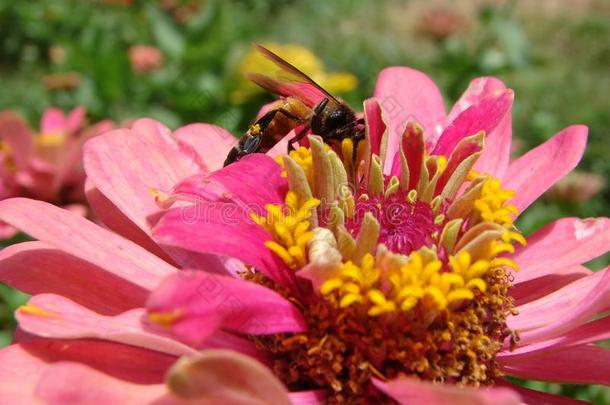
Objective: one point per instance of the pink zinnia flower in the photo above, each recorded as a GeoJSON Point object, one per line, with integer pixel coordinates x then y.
{"type": "Point", "coordinates": [47, 165]}
{"type": "Point", "coordinates": [348, 306]}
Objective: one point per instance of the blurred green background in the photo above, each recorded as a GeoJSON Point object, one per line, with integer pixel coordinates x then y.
{"type": "Point", "coordinates": [554, 53]}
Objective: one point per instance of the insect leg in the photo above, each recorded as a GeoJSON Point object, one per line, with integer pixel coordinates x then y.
{"type": "Point", "coordinates": [297, 138]}
{"type": "Point", "coordinates": [290, 115]}
{"type": "Point", "coordinates": [321, 106]}
{"type": "Point", "coordinates": [356, 139]}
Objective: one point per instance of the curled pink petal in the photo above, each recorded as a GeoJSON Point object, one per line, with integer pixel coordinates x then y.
{"type": "Point", "coordinates": [563, 243]}
{"type": "Point", "coordinates": [483, 116]}
{"type": "Point", "coordinates": [85, 240]}
{"type": "Point", "coordinates": [496, 154]}
{"type": "Point", "coordinates": [55, 317]}
{"type": "Point", "coordinates": [536, 171]}
{"type": "Point", "coordinates": [376, 128]}
{"type": "Point", "coordinates": [407, 391]}
{"type": "Point", "coordinates": [195, 304]}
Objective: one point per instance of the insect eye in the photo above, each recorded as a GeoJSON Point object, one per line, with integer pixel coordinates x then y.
{"type": "Point", "coordinates": [336, 119]}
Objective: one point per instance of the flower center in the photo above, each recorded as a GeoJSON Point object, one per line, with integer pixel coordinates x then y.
{"type": "Point", "coordinates": [405, 226]}
{"type": "Point", "coordinates": [410, 276]}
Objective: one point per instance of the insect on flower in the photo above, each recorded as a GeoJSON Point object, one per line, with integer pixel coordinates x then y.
{"type": "Point", "coordinates": [305, 106]}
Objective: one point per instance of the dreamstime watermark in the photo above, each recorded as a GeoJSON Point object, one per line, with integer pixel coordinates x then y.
{"type": "Point", "coordinates": [234, 212]}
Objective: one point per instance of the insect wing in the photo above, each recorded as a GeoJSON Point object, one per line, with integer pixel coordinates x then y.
{"type": "Point", "coordinates": [290, 81]}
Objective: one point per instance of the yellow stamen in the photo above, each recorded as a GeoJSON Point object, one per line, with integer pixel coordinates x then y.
{"type": "Point", "coordinates": [290, 227]}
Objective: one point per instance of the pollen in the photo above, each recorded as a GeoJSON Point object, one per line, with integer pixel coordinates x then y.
{"type": "Point", "coordinates": [32, 309]}
{"type": "Point", "coordinates": [255, 129]}
{"type": "Point", "coordinates": [492, 204]}
{"type": "Point", "coordinates": [165, 319]}
{"type": "Point", "coordinates": [290, 228]}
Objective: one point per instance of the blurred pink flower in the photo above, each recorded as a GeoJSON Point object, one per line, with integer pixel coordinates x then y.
{"type": "Point", "coordinates": [577, 187]}
{"type": "Point", "coordinates": [145, 58]}
{"type": "Point", "coordinates": [440, 23]}
{"type": "Point", "coordinates": [86, 322]}
{"type": "Point", "coordinates": [47, 165]}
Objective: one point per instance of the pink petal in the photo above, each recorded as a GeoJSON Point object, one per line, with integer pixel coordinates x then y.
{"type": "Point", "coordinates": [85, 240]}
{"type": "Point", "coordinates": [125, 164]}
{"type": "Point", "coordinates": [404, 94]}
{"type": "Point", "coordinates": [212, 143]}
{"type": "Point", "coordinates": [591, 332]}
{"type": "Point", "coordinates": [266, 108]}
{"type": "Point", "coordinates": [18, 136]}
{"type": "Point", "coordinates": [36, 267]}
{"type": "Point", "coordinates": [495, 156]}
{"type": "Point", "coordinates": [407, 391]}
{"type": "Point", "coordinates": [375, 125]}
{"type": "Point", "coordinates": [201, 303]}
{"type": "Point", "coordinates": [317, 397]}
{"type": "Point", "coordinates": [114, 219]}
{"type": "Point", "coordinates": [75, 120]}
{"type": "Point", "coordinates": [540, 319]}
{"type": "Point", "coordinates": [483, 116]}
{"type": "Point", "coordinates": [108, 213]}
{"type": "Point", "coordinates": [266, 186]}
{"type": "Point", "coordinates": [125, 362]}
{"type": "Point", "coordinates": [281, 147]}
{"type": "Point", "coordinates": [7, 231]}
{"type": "Point", "coordinates": [530, 290]}
{"type": "Point", "coordinates": [19, 372]}
{"type": "Point", "coordinates": [478, 89]}
{"type": "Point", "coordinates": [225, 377]}
{"type": "Point", "coordinates": [586, 364]}
{"type": "Point", "coordinates": [536, 171]}
{"type": "Point", "coordinates": [92, 387]}
{"type": "Point", "coordinates": [566, 242]}
{"type": "Point", "coordinates": [56, 317]}
{"type": "Point", "coordinates": [234, 235]}
{"type": "Point", "coordinates": [461, 152]}
{"type": "Point", "coordinates": [54, 121]}
{"type": "Point", "coordinates": [533, 397]}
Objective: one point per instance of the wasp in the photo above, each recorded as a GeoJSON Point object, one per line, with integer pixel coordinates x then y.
{"type": "Point", "coordinates": [305, 106]}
